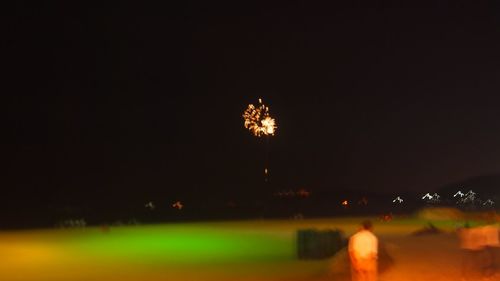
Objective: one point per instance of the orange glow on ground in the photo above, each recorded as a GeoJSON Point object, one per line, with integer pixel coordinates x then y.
{"type": "Point", "coordinates": [121, 254]}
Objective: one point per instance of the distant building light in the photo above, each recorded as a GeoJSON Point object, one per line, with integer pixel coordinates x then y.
{"type": "Point", "coordinates": [150, 205]}
{"type": "Point", "coordinates": [398, 200]}
{"type": "Point", "coordinates": [434, 198]}
{"type": "Point", "coordinates": [489, 202]}
{"type": "Point", "coordinates": [178, 205]}
{"type": "Point", "coordinates": [427, 196]}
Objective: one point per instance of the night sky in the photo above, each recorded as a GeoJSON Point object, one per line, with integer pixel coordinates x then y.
{"type": "Point", "coordinates": [145, 102]}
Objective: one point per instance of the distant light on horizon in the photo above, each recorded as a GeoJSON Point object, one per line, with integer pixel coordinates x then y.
{"type": "Point", "coordinates": [178, 205]}
{"type": "Point", "coordinates": [427, 196]}
{"type": "Point", "coordinates": [434, 198]}
{"type": "Point", "coordinates": [398, 200]}
{"type": "Point", "coordinates": [489, 202]}
{"type": "Point", "coordinates": [150, 205]}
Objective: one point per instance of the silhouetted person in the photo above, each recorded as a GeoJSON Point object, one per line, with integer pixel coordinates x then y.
{"type": "Point", "coordinates": [363, 253]}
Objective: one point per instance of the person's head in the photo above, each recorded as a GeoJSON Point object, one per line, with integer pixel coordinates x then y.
{"type": "Point", "coordinates": [367, 225]}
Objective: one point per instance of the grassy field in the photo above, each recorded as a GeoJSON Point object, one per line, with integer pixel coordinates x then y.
{"type": "Point", "coordinates": [240, 250]}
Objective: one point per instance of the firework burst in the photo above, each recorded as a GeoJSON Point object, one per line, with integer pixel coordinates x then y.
{"type": "Point", "coordinates": [258, 121]}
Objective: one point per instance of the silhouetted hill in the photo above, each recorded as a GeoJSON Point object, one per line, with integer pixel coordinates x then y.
{"type": "Point", "coordinates": [485, 186]}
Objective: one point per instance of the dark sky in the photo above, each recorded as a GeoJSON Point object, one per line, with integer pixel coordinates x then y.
{"type": "Point", "coordinates": [133, 101]}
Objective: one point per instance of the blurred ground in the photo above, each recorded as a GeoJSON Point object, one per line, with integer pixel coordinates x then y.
{"type": "Point", "coordinates": [243, 250]}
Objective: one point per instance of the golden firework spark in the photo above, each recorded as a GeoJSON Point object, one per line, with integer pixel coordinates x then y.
{"type": "Point", "coordinates": [258, 121]}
